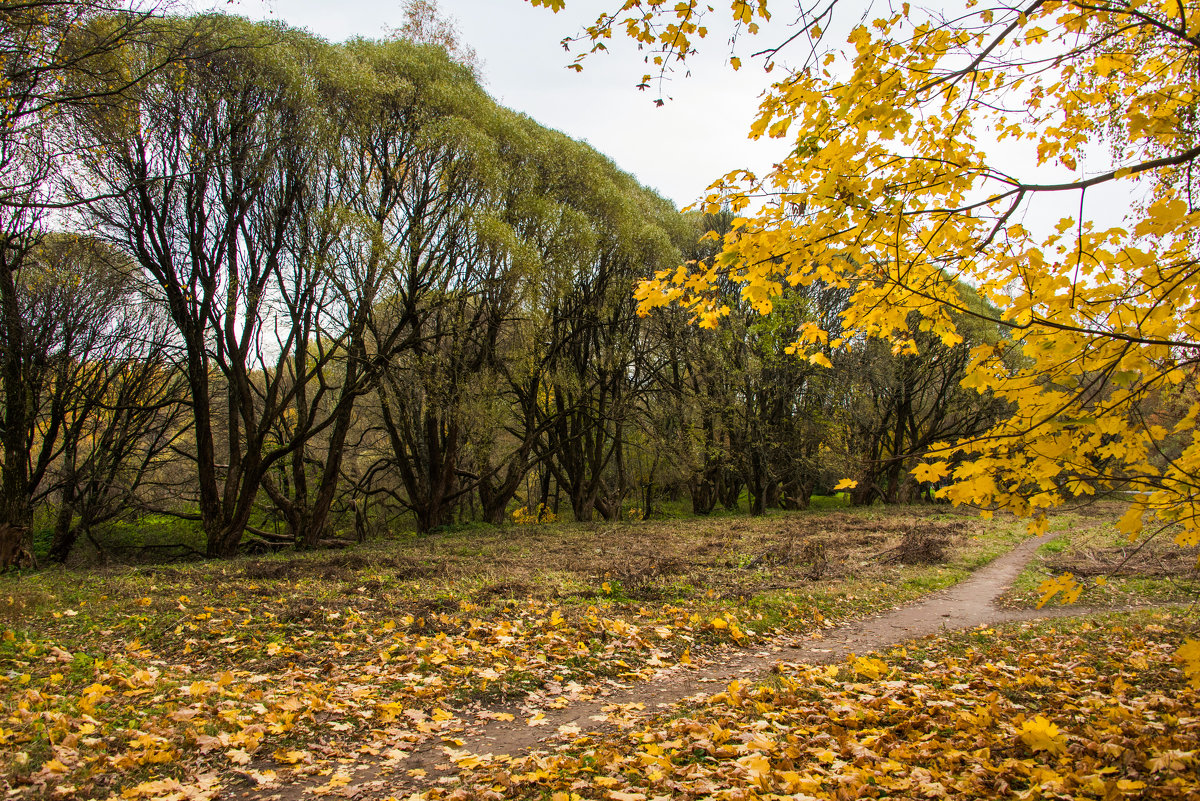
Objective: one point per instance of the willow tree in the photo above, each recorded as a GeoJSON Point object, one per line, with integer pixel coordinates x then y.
{"type": "Point", "coordinates": [199, 171]}
{"type": "Point", "coordinates": [45, 45]}
{"type": "Point", "coordinates": [452, 288]}
{"type": "Point", "coordinates": [594, 337]}
{"type": "Point", "coordinates": [386, 229]}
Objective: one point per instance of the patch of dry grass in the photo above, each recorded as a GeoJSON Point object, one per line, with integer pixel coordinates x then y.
{"type": "Point", "coordinates": [1113, 571]}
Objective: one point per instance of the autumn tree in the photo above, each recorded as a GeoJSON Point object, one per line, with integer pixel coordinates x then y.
{"type": "Point", "coordinates": [896, 406]}
{"type": "Point", "coordinates": [900, 199]}
{"type": "Point", "coordinates": [98, 384]}
{"type": "Point", "coordinates": [457, 290]}
{"type": "Point", "coordinates": [591, 323]}
{"type": "Point", "coordinates": [199, 172]}
{"type": "Point", "coordinates": [44, 46]}
{"type": "Point", "coordinates": [426, 23]}
{"type": "Point", "coordinates": [893, 184]}
{"type": "Point", "coordinates": [385, 235]}
{"type": "Point", "coordinates": [113, 404]}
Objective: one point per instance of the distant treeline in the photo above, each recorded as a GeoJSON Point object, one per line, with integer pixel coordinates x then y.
{"type": "Point", "coordinates": [299, 291]}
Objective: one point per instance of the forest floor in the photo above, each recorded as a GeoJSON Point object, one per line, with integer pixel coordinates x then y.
{"type": "Point", "coordinates": [581, 661]}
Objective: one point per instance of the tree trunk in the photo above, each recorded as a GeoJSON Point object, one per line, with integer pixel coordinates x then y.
{"type": "Point", "coordinates": [14, 547]}
{"type": "Point", "coordinates": [704, 495]}
{"type": "Point", "coordinates": [14, 473]}
{"type": "Point", "coordinates": [494, 498]}
{"type": "Point", "coordinates": [64, 534]}
{"type": "Point", "coordinates": [773, 494]}
{"type": "Point", "coordinates": [583, 503]}
{"type": "Point", "coordinates": [730, 491]}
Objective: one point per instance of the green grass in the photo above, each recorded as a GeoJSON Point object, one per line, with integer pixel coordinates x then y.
{"type": "Point", "coordinates": [839, 500]}
{"type": "Point", "coordinates": [1058, 545]}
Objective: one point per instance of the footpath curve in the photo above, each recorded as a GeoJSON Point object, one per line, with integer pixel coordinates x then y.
{"type": "Point", "coordinates": [967, 604]}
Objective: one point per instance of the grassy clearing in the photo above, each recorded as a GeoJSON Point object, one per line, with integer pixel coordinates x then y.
{"type": "Point", "coordinates": [121, 680]}
{"type": "Point", "coordinates": [1090, 708]}
{"type": "Point", "coordinates": [140, 540]}
{"type": "Point", "coordinates": [1113, 571]}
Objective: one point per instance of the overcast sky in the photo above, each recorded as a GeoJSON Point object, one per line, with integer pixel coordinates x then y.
{"type": "Point", "coordinates": [677, 149]}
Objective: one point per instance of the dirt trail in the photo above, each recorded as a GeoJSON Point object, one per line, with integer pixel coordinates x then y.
{"type": "Point", "coordinates": [967, 604]}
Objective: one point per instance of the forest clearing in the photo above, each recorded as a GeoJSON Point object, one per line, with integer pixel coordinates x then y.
{"type": "Point", "coordinates": [367, 672]}
{"type": "Point", "coordinates": [363, 436]}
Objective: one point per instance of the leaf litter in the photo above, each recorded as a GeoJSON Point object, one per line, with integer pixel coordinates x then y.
{"type": "Point", "coordinates": [264, 682]}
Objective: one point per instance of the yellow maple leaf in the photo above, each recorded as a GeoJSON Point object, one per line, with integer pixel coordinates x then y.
{"type": "Point", "coordinates": [1131, 523]}
{"type": "Point", "coordinates": [292, 757]}
{"type": "Point", "coordinates": [1189, 655]}
{"type": "Point", "coordinates": [1051, 587]}
{"type": "Point", "coordinates": [930, 472]}
{"type": "Point", "coordinates": [871, 668]}
{"type": "Point", "coordinates": [1042, 735]}
{"type": "Point", "coordinates": [757, 767]}
{"type": "Point", "coordinates": [238, 756]}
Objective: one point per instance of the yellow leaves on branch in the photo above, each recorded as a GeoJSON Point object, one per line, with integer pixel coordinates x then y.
{"type": "Point", "coordinates": [931, 472]}
{"type": "Point", "coordinates": [668, 31]}
{"type": "Point", "coordinates": [1065, 584]}
{"type": "Point", "coordinates": [893, 188]}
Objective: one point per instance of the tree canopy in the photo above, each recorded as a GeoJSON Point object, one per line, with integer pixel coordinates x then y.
{"type": "Point", "coordinates": [985, 144]}
{"type": "Point", "coordinates": [898, 186]}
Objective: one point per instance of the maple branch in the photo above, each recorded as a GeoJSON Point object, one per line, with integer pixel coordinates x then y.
{"type": "Point", "coordinates": [987, 51]}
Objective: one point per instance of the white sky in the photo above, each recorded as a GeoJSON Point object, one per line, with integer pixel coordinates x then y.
{"type": "Point", "coordinates": [677, 149]}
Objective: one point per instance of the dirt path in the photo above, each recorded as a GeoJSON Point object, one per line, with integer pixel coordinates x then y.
{"type": "Point", "coordinates": [966, 605]}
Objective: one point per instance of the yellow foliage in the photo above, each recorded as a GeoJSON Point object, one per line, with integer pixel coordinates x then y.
{"type": "Point", "coordinates": [1041, 717]}
{"type": "Point", "coordinates": [524, 517]}
{"type": "Point", "coordinates": [1042, 735]}
{"type": "Point", "coordinates": [1065, 584]}
{"type": "Point", "coordinates": [869, 667]}
{"type": "Point", "coordinates": [930, 472]}
{"type": "Point", "coordinates": [904, 197]}
{"type": "Point", "coordinates": [1189, 655]}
